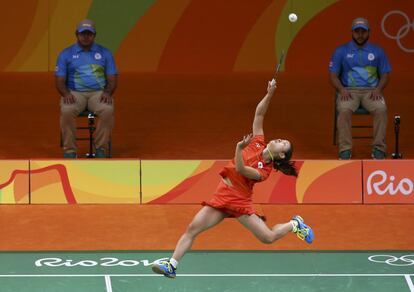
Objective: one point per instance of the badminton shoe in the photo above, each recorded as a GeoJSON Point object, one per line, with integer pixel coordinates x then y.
{"type": "Point", "coordinates": [69, 155]}
{"type": "Point", "coordinates": [303, 231]}
{"type": "Point", "coordinates": [100, 153]}
{"type": "Point", "coordinates": [165, 268]}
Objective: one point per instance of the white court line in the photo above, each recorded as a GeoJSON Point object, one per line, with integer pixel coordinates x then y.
{"type": "Point", "coordinates": [409, 282]}
{"type": "Point", "coordinates": [215, 275]}
{"type": "Point", "coordinates": [108, 283]}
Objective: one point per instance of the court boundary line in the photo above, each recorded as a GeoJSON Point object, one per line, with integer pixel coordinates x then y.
{"type": "Point", "coordinates": [405, 275]}
{"type": "Point", "coordinates": [409, 282]}
{"type": "Point", "coordinates": [108, 283]}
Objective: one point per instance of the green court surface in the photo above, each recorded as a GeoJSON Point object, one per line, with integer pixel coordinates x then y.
{"type": "Point", "coordinates": [209, 271]}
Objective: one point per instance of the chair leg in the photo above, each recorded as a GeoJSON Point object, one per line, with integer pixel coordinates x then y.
{"type": "Point", "coordinates": [335, 127]}
{"type": "Point", "coordinates": [86, 114]}
{"type": "Point", "coordinates": [110, 148]}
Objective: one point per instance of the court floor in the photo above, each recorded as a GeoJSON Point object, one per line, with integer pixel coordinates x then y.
{"type": "Point", "coordinates": [209, 271]}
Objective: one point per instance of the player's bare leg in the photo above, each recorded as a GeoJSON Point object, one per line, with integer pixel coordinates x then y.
{"type": "Point", "coordinates": [269, 235]}
{"type": "Point", "coordinates": [206, 218]}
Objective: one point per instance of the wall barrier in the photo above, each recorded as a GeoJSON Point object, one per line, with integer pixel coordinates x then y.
{"type": "Point", "coordinates": [193, 181]}
{"type": "Point", "coordinates": [388, 182]}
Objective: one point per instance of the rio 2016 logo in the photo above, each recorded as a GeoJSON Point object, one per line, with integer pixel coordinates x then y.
{"type": "Point", "coordinates": [402, 31]}
{"type": "Point", "coordinates": [103, 262]}
{"type": "Point", "coordinates": [385, 185]}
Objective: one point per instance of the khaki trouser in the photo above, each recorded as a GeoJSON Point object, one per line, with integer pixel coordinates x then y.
{"type": "Point", "coordinates": [345, 109]}
{"type": "Point", "coordinates": [69, 113]}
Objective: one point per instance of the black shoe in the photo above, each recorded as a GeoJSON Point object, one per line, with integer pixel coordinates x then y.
{"type": "Point", "coordinates": [378, 154]}
{"type": "Point", "coordinates": [100, 153]}
{"type": "Point", "coordinates": [69, 155]}
{"type": "Point", "coordinates": [345, 155]}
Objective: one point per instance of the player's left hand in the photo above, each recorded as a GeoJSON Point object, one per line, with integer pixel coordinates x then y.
{"type": "Point", "coordinates": [106, 98]}
{"type": "Point", "coordinates": [376, 94]}
{"type": "Point", "coordinates": [246, 141]}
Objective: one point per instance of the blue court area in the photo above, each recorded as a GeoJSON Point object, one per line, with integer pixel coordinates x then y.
{"type": "Point", "coordinates": [208, 271]}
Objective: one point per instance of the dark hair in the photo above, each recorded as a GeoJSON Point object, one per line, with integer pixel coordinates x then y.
{"type": "Point", "coordinates": [285, 165]}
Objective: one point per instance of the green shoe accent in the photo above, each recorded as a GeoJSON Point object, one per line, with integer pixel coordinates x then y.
{"type": "Point", "coordinates": [100, 153]}
{"type": "Point", "coordinates": [345, 155]}
{"type": "Point", "coordinates": [378, 154]}
{"type": "Point", "coordinates": [69, 155]}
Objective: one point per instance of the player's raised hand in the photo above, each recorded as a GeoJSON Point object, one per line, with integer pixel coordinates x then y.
{"type": "Point", "coordinates": [271, 86]}
{"type": "Point", "coordinates": [245, 141]}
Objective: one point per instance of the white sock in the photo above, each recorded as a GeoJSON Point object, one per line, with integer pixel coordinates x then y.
{"type": "Point", "coordinates": [174, 263]}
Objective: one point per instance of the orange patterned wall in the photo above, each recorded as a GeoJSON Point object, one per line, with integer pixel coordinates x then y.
{"type": "Point", "coordinates": [190, 36]}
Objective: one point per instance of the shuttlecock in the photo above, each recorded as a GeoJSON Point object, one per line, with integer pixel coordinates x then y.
{"type": "Point", "coordinates": [293, 17]}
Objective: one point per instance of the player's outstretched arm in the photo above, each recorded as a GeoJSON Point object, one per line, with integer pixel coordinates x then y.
{"type": "Point", "coordinates": [244, 170]}
{"type": "Point", "coordinates": [261, 108]}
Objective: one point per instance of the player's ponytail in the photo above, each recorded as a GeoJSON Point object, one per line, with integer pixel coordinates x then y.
{"type": "Point", "coordinates": [284, 165]}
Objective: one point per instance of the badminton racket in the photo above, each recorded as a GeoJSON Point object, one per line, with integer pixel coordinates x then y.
{"type": "Point", "coordinates": [282, 55]}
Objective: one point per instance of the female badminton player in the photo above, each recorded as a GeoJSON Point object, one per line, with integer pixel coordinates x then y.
{"type": "Point", "coordinates": [253, 162]}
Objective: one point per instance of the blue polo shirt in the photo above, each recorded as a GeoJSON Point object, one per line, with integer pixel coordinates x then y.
{"type": "Point", "coordinates": [85, 70]}
{"type": "Point", "coordinates": [359, 67]}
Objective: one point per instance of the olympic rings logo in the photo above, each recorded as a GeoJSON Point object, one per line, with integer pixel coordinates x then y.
{"type": "Point", "coordinates": [402, 261]}
{"type": "Point", "coordinates": [402, 32]}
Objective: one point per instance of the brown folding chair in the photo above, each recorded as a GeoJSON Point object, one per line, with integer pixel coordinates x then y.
{"type": "Point", "coordinates": [86, 114]}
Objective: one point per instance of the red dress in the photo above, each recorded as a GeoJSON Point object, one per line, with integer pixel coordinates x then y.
{"type": "Point", "coordinates": [237, 200]}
